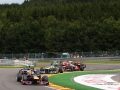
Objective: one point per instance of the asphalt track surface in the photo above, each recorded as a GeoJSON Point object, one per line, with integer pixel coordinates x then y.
{"type": "Point", "coordinates": [8, 81]}
{"type": "Point", "coordinates": [8, 77]}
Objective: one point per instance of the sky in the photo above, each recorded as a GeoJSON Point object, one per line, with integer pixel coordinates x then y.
{"type": "Point", "coordinates": [11, 1]}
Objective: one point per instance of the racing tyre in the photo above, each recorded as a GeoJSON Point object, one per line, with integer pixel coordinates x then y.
{"type": "Point", "coordinates": [81, 68]}
{"type": "Point", "coordinates": [61, 69]}
{"type": "Point", "coordinates": [45, 78]}
{"type": "Point", "coordinates": [85, 66]}
{"type": "Point", "coordinates": [72, 69]}
{"type": "Point", "coordinates": [47, 83]}
{"type": "Point", "coordinates": [19, 77]}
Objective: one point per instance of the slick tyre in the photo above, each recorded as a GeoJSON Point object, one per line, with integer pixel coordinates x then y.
{"type": "Point", "coordinates": [45, 78]}
{"type": "Point", "coordinates": [61, 69]}
{"type": "Point", "coordinates": [81, 68]}
{"type": "Point", "coordinates": [19, 77]}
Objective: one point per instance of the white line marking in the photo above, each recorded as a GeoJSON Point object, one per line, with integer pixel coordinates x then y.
{"type": "Point", "coordinates": [101, 81]}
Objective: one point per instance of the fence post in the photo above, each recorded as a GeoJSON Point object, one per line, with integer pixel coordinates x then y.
{"type": "Point", "coordinates": [91, 53]}
{"type": "Point", "coordinates": [82, 53]}
{"type": "Point", "coordinates": [57, 54]}
{"type": "Point", "coordinates": [28, 55]}
{"type": "Point", "coordinates": [75, 53]}
{"type": "Point", "coordinates": [21, 55]}
{"type": "Point", "coordinates": [35, 55]}
{"type": "Point", "coordinates": [12, 55]}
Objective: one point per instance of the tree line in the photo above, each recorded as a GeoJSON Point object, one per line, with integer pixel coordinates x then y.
{"type": "Point", "coordinates": [60, 26]}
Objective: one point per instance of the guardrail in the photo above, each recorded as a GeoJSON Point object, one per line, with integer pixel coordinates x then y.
{"type": "Point", "coordinates": [76, 59]}
{"type": "Point", "coordinates": [59, 54]}
{"type": "Point", "coordinates": [8, 62]}
{"type": "Point", "coordinates": [32, 61]}
{"type": "Point", "coordinates": [22, 63]}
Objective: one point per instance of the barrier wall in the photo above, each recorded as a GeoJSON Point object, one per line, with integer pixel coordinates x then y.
{"type": "Point", "coordinates": [76, 59]}
{"type": "Point", "coordinates": [32, 61]}
{"type": "Point", "coordinates": [8, 62]}
{"type": "Point", "coordinates": [22, 63]}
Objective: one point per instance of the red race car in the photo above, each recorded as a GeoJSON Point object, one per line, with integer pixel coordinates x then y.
{"type": "Point", "coordinates": [73, 66]}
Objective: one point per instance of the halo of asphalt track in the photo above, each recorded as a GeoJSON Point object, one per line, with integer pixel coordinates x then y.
{"type": "Point", "coordinates": [8, 77]}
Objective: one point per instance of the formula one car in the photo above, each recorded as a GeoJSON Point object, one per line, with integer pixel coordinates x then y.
{"type": "Point", "coordinates": [80, 65]}
{"type": "Point", "coordinates": [73, 66]}
{"type": "Point", "coordinates": [51, 69]}
{"type": "Point", "coordinates": [31, 77]}
{"type": "Point", "coordinates": [27, 68]}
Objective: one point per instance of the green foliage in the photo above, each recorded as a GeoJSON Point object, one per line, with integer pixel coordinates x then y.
{"type": "Point", "coordinates": [60, 26]}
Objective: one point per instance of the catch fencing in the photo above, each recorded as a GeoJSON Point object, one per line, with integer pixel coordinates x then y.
{"type": "Point", "coordinates": [58, 54]}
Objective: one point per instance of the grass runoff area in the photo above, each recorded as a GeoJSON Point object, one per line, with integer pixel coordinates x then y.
{"type": "Point", "coordinates": [12, 66]}
{"type": "Point", "coordinates": [66, 79]}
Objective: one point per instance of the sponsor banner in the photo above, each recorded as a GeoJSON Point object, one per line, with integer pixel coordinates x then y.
{"type": "Point", "coordinates": [101, 81]}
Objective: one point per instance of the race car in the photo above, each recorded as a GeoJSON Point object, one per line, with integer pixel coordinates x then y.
{"type": "Point", "coordinates": [69, 65]}
{"type": "Point", "coordinates": [32, 77]}
{"type": "Point", "coordinates": [27, 68]}
{"type": "Point", "coordinates": [81, 66]}
{"type": "Point", "coordinates": [51, 69]}
{"type": "Point", "coordinates": [73, 66]}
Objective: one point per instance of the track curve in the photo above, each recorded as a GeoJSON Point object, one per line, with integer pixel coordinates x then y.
{"type": "Point", "coordinates": [8, 77]}
{"type": "Point", "coordinates": [8, 81]}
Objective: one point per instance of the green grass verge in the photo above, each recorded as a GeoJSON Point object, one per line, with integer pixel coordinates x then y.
{"type": "Point", "coordinates": [12, 66]}
{"type": "Point", "coordinates": [65, 79]}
